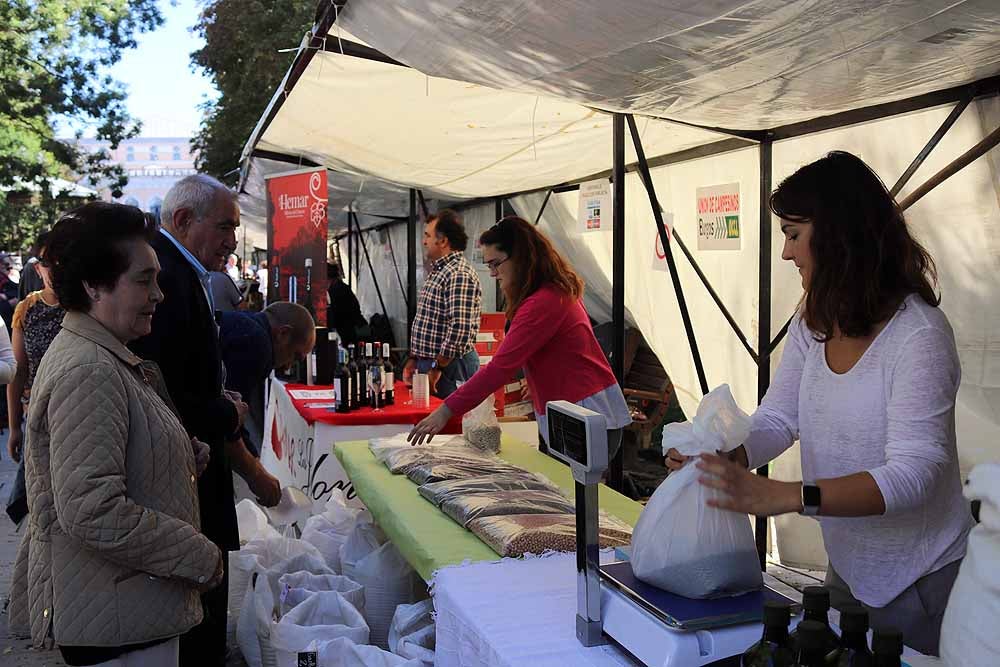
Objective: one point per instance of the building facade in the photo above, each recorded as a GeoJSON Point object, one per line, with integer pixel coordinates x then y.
{"type": "Point", "coordinates": [153, 165]}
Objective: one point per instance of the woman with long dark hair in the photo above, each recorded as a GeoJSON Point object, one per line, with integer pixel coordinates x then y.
{"type": "Point", "coordinates": [867, 384]}
{"type": "Point", "coordinates": [550, 336]}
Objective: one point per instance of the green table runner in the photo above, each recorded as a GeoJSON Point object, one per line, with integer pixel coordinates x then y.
{"type": "Point", "coordinates": [426, 537]}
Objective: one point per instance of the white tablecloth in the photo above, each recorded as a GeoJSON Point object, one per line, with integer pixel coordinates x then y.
{"type": "Point", "coordinates": [513, 613]}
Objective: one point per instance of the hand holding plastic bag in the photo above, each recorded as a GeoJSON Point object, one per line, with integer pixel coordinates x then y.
{"type": "Point", "coordinates": [481, 428]}
{"type": "Point", "coordinates": [682, 545]}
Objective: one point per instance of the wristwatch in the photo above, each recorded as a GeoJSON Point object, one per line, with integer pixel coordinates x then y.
{"type": "Point", "coordinates": [811, 498]}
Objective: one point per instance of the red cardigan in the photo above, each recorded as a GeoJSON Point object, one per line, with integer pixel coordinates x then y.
{"type": "Point", "coordinates": [551, 338]}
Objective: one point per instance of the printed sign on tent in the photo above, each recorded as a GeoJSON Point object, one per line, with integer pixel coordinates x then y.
{"type": "Point", "coordinates": [718, 208]}
{"type": "Point", "coordinates": [595, 212]}
{"type": "Point", "coordinates": [296, 238]}
{"type": "Point", "coordinates": [659, 254]}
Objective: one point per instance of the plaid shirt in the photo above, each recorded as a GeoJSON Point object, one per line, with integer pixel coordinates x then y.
{"type": "Point", "coordinates": [448, 310]}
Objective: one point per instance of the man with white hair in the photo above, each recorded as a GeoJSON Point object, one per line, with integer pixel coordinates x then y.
{"type": "Point", "coordinates": [198, 219]}
{"type": "Point", "coordinates": [231, 269]}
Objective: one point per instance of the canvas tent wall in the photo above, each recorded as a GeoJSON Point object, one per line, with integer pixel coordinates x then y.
{"type": "Point", "coordinates": [498, 98]}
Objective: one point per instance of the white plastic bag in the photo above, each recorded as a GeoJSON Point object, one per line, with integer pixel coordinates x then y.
{"type": "Point", "coordinates": [682, 545]}
{"type": "Point", "coordinates": [411, 634]}
{"type": "Point", "coordinates": [256, 556]}
{"type": "Point", "coordinates": [968, 632]}
{"type": "Point", "coordinates": [268, 559]}
{"type": "Point", "coordinates": [322, 616]}
{"type": "Point", "coordinates": [293, 508]}
{"type": "Point", "coordinates": [294, 588]}
{"type": "Point", "coordinates": [481, 428]}
{"type": "Point", "coordinates": [329, 530]}
{"type": "Point", "coordinates": [252, 522]}
{"type": "Point", "coordinates": [377, 565]}
{"type": "Point", "coordinates": [343, 652]}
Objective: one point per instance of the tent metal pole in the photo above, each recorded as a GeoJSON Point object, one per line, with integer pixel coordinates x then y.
{"type": "Point", "coordinates": [616, 467]}
{"type": "Point", "coordinates": [764, 317]}
{"type": "Point", "coordinates": [357, 252]}
{"type": "Point", "coordinates": [497, 291]}
{"type": "Point", "coordinates": [959, 163]}
{"type": "Point", "coordinates": [395, 265]}
{"type": "Point", "coordinates": [781, 334]}
{"type": "Point", "coordinates": [423, 204]}
{"type": "Point", "coordinates": [378, 290]}
{"type": "Point", "coordinates": [545, 203]}
{"type": "Point", "coordinates": [934, 140]}
{"type": "Point", "coordinates": [671, 264]}
{"type": "Point", "coordinates": [411, 265]}
{"type": "Point", "coordinates": [350, 249]}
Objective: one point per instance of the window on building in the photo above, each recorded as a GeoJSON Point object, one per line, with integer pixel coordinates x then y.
{"type": "Point", "coordinates": [177, 152]}
{"type": "Point", "coordinates": [153, 156]}
{"type": "Point", "coordinates": [129, 153]}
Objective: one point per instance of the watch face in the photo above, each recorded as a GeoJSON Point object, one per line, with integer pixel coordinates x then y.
{"type": "Point", "coordinates": [810, 495]}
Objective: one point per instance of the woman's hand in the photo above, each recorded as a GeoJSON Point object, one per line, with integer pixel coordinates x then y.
{"type": "Point", "coordinates": [675, 460]}
{"type": "Point", "coordinates": [430, 426]}
{"type": "Point", "coordinates": [202, 455]}
{"type": "Point", "coordinates": [15, 441]}
{"type": "Point", "coordinates": [742, 491]}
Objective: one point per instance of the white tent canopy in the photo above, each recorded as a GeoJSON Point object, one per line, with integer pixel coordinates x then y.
{"type": "Point", "coordinates": [493, 98]}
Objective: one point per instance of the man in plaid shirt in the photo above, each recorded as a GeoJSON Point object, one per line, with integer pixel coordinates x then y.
{"type": "Point", "coordinates": [443, 339]}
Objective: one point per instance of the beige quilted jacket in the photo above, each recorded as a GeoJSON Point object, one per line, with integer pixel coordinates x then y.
{"type": "Point", "coordinates": [112, 553]}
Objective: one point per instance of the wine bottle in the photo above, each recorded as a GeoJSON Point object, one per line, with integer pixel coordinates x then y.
{"type": "Point", "coordinates": [772, 650]}
{"type": "Point", "coordinates": [308, 303]}
{"type": "Point", "coordinates": [352, 365]}
{"type": "Point", "coordinates": [342, 383]}
{"type": "Point", "coordinates": [816, 607]}
{"type": "Point", "coordinates": [887, 647]}
{"type": "Point", "coordinates": [389, 376]}
{"type": "Point", "coordinates": [362, 377]}
{"type": "Point", "coordinates": [369, 367]}
{"type": "Point", "coordinates": [812, 643]}
{"type": "Point", "coordinates": [274, 294]}
{"type": "Point", "coordinates": [853, 651]}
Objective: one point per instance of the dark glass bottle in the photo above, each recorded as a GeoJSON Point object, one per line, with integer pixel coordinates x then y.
{"type": "Point", "coordinates": [352, 367]}
{"type": "Point", "coordinates": [887, 647]}
{"type": "Point", "coordinates": [389, 376]}
{"type": "Point", "coordinates": [812, 644]}
{"type": "Point", "coordinates": [362, 376]}
{"type": "Point", "coordinates": [816, 607]}
{"type": "Point", "coordinates": [853, 651]}
{"type": "Point", "coordinates": [342, 383]}
{"type": "Point", "coordinates": [772, 650]}
{"type": "Point", "coordinates": [369, 367]}
{"type": "Point", "coordinates": [274, 294]}
{"type": "Point", "coordinates": [308, 303]}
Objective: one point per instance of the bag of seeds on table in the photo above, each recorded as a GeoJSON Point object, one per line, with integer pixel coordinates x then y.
{"type": "Point", "coordinates": [439, 492]}
{"type": "Point", "coordinates": [681, 544]}
{"type": "Point", "coordinates": [514, 535]}
{"type": "Point", "coordinates": [466, 508]}
{"type": "Point", "coordinates": [460, 466]}
{"type": "Point", "coordinates": [399, 456]}
{"type": "Point", "coordinates": [481, 428]}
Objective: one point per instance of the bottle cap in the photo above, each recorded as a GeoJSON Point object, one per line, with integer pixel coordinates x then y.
{"type": "Point", "coordinates": [854, 619]}
{"type": "Point", "coordinates": [812, 635]}
{"type": "Point", "coordinates": [816, 598]}
{"type": "Point", "coordinates": [887, 641]}
{"type": "Point", "coordinates": [776, 614]}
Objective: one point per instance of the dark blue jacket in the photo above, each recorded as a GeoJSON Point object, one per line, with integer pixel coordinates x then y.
{"type": "Point", "coordinates": [248, 355]}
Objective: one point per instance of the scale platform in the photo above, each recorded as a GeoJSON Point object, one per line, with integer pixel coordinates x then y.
{"type": "Point", "coordinates": [661, 629]}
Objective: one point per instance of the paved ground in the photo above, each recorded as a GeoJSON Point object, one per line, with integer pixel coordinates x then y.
{"type": "Point", "coordinates": [14, 652]}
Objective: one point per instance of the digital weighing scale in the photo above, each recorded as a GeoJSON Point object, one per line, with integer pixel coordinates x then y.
{"type": "Point", "coordinates": [658, 628]}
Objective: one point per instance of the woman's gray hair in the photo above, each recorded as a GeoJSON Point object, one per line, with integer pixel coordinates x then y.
{"type": "Point", "coordinates": [196, 193]}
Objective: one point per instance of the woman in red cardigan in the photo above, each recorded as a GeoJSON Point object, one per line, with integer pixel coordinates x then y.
{"type": "Point", "coordinates": [550, 337]}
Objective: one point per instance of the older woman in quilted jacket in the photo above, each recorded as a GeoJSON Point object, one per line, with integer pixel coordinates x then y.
{"type": "Point", "coordinates": [112, 562]}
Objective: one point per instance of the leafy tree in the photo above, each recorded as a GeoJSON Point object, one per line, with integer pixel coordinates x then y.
{"type": "Point", "coordinates": [246, 54]}
{"type": "Point", "coordinates": [54, 58]}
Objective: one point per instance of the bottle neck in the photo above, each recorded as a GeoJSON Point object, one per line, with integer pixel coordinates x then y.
{"type": "Point", "coordinates": [854, 640]}
{"type": "Point", "coordinates": [815, 615]}
{"type": "Point", "coordinates": [776, 634]}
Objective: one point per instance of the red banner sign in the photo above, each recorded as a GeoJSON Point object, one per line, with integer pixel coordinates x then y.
{"type": "Point", "coordinates": [296, 239]}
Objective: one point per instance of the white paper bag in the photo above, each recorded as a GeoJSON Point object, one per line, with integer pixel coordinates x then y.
{"type": "Point", "coordinates": [682, 545]}
{"type": "Point", "coordinates": [969, 635]}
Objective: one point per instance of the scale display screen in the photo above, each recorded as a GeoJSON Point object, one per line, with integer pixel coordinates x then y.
{"type": "Point", "coordinates": [568, 436]}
